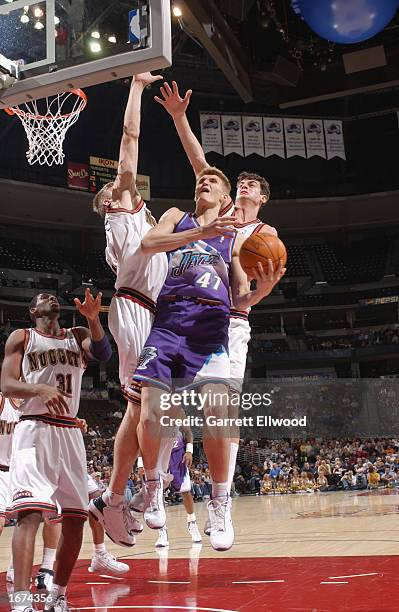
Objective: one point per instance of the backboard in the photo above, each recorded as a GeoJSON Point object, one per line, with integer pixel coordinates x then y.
{"type": "Point", "coordinates": [69, 44]}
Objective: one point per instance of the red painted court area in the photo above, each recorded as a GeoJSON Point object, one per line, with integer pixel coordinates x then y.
{"type": "Point", "coordinates": [311, 584]}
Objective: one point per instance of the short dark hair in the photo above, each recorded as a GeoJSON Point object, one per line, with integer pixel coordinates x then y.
{"type": "Point", "coordinates": [252, 176]}
{"type": "Point", "coordinates": [33, 304]}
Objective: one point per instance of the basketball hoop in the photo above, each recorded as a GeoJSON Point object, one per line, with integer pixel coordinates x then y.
{"type": "Point", "coordinates": [46, 122]}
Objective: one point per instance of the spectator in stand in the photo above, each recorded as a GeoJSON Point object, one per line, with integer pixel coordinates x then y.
{"type": "Point", "coordinates": [373, 478]}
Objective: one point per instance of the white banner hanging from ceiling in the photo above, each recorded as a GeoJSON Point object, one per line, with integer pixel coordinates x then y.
{"type": "Point", "coordinates": [232, 135]}
{"type": "Point", "coordinates": [211, 133]}
{"type": "Point", "coordinates": [314, 135]}
{"type": "Point", "coordinates": [294, 137]}
{"type": "Point", "coordinates": [335, 143]}
{"type": "Point", "coordinates": [253, 136]}
{"type": "Point", "coordinates": [273, 130]}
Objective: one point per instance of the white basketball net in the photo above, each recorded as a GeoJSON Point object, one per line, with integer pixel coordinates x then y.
{"type": "Point", "coordinates": [46, 122]}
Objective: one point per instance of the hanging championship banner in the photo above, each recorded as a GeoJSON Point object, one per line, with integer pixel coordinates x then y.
{"type": "Point", "coordinates": [335, 143]}
{"type": "Point", "coordinates": [294, 138]}
{"type": "Point", "coordinates": [274, 136]}
{"type": "Point", "coordinates": [253, 136]}
{"type": "Point", "coordinates": [211, 133]}
{"type": "Point", "coordinates": [314, 135]}
{"type": "Point", "coordinates": [232, 135]}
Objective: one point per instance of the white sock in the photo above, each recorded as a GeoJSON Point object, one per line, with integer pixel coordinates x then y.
{"type": "Point", "coordinates": [219, 489]}
{"type": "Point", "coordinates": [191, 518]}
{"type": "Point", "coordinates": [113, 499]}
{"type": "Point", "coordinates": [99, 549]}
{"type": "Point", "coordinates": [48, 558]}
{"type": "Point", "coordinates": [20, 600]}
{"type": "Point", "coordinates": [56, 590]}
{"type": "Point", "coordinates": [10, 565]}
{"type": "Point", "coordinates": [232, 464]}
{"type": "Point", "coordinates": [152, 474]}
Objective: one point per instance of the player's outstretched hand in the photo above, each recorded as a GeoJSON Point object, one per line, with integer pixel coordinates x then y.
{"type": "Point", "coordinates": [54, 399]}
{"type": "Point", "coordinates": [222, 226]}
{"type": "Point", "coordinates": [82, 424]}
{"type": "Point", "coordinates": [266, 280]}
{"type": "Point", "coordinates": [147, 78]}
{"type": "Point", "coordinates": [90, 307]}
{"type": "Point", "coordinates": [171, 100]}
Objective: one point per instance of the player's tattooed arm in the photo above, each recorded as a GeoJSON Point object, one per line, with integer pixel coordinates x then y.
{"type": "Point", "coordinates": [266, 280]}
{"type": "Point", "coordinates": [125, 189]}
{"type": "Point", "coordinates": [177, 106]}
{"type": "Point", "coordinates": [13, 386]}
{"type": "Point", "coordinates": [93, 340]}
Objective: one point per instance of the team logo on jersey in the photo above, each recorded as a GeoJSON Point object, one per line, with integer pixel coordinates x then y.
{"type": "Point", "coordinates": [21, 494]}
{"type": "Point", "coordinates": [193, 259]}
{"type": "Point", "coordinates": [148, 354]}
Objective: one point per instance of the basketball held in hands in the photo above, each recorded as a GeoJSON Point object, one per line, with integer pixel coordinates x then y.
{"type": "Point", "coordinates": [262, 247]}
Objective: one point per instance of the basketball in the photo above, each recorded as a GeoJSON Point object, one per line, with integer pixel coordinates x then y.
{"type": "Point", "coordinates": [261, 247]}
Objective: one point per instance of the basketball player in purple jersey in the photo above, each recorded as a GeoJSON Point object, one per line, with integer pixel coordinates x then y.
{"type": "Point", "coordinates": [253, 192]}
{"type": "Point", "coordinates": [189, 339]}
{"type": "Point", "coordinates": [44, 366]}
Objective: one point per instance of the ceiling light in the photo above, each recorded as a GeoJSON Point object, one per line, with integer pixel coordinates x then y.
{"type": "Point", "coordinates": [95, 34]}
{"type": "Point", "coordinates": [112, 39]}
{"type": "Point", "coordinates": [25, 18]}
{"type": "Point", "coordinates": [177, 12]}
{"type": "Point", "coordinates": [39, 25]}
{"type": "Point", "coordinates": [95, 47]}
{"type": "Point", "coordinates": [38, 12]}
{"type": "Point", "coordinates": [56, 20]}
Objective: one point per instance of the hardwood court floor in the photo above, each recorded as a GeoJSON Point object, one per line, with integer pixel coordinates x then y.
{"type": "Point", "coordinates": [304, 552]}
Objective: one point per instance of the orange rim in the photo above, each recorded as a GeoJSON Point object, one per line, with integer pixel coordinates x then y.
{"type": "Point", "coordinates": [78, 92]}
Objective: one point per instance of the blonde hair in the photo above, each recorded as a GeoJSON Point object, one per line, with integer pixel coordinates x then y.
{"type": "Point", "coordinates": [98, 201]}
{"type": "Point", "coordinates": [212, 170]}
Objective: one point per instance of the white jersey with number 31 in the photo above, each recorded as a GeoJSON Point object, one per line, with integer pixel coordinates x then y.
{"type": "Point", "coordinates": [57, 361]}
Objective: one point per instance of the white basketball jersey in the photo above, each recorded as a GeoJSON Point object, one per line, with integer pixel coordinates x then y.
{"type": "Point", "coordinates": [134, 269]}
{"type": "Point", "coordinates": [246, 230]}
{"type": "Point", "coordinates": [57, 361]}
{"type": "Point", "coordinates": [9, 416]}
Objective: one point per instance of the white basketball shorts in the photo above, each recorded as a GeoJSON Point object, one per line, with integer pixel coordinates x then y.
{"type": "Point", "coordinates": [130, 324]}
{"type": "Point", "coordinates": [48, 469]}
{"type": "Point", "coordinates": [239, 337]}
{"type": "Point", "coordinates": [4, 498]}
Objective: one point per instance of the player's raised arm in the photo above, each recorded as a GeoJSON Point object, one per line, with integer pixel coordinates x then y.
{"type": "Point", "coordinates": [93, 341]}
{"type": "Point", "coordinates": [124, 188]}
{"type": "Point", "coordinates": [266, 280]}
{"type": "Point", "coordinates": [176, 106]}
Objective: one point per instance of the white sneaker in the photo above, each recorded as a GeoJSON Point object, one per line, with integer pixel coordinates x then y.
{"type": "Point", "coordinates": [154, 513]}
{"type": "Point", "coordinates": [116, 520]}
{"type": "Point", "coordinates": [105, 562]}
{"type": "Point", "coordinates": [207, 527]}
{"type": "Point", "coordinates": [59, 605]}
{"type": "Point", "coordinates": [133, 523]}
{"type": "Point", "coordinates": [10, 575]}
{"type": "Point", "coordinates": [222, 531]}
{"type": "Point", "coordinates": [163, 540]}
{"type": "Point", "coordinates": [44, 579]}
{"type": "Point", "coordinates": [24, 610]}
{"type": "Point", "coordinates": [137, 503]}
{"type": "Point", "coordinates": [194, 532]}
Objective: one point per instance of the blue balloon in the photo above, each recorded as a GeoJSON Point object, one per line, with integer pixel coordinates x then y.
{"type": "Point", "coordinates": [346, 21]}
